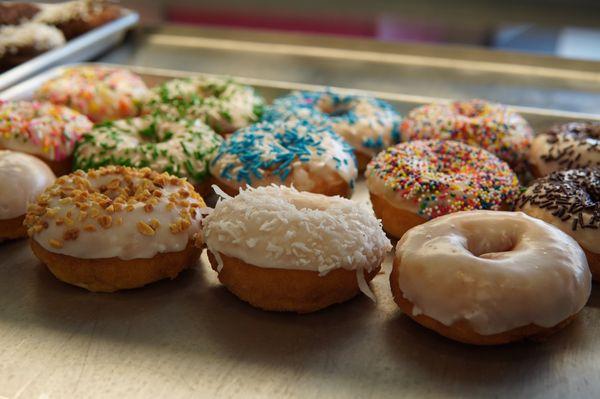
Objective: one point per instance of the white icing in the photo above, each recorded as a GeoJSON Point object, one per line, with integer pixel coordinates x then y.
{"type": "Point", "coordinates": [38, 36]}
{"type": "Point", "coordinates": [496, 270]}
{"type": "Point", "coordinates": [540, 148]}
{"type": "Point", "coordinates": [22, 178]}
{"type": "Point", "coordinates": [54, 14]}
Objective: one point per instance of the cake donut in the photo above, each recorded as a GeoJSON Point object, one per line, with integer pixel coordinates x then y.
{"type": "Point", "coordinates": [413, 182]}
{"type": "Point", "coordinates": [180, 147]}
{"type": "Point", "coordinates": [116, 228]}
{"type": "Point", "coordinates": [22, 178]}
{"type": "Point", "coordinates": [101, 93]}
{"type": "Point", "coordinates": [20, 43]}
{"type": "Point", "coordinates": [489, 278]}
{"type": "Point", "coordinates": [280, 249]}
{"type": "Point", "coordinates": [493, 127]}
{"type": "Point", "coordinates": [294, 153]}
{"type": "Point", "coordinates": [573, 145]}
{"type": "Point", "coordinates": [222, 103]}
{"type": "Point", "coordinates": [15, 13]}
{"type": "Point", "coordinates": [569, 200]}
{"type": "Point", "coordinates": [368, 124]}
{"type": "Point", "coordinates": [45, 130]}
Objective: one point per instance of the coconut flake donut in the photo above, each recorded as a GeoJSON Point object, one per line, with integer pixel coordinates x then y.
{"type": "Point", "coordinates": [45, 130]}
{"type": "Point", "coordinates": [20, 43]}
{"type": "Point", "coordinates": [574, 145]}
{"type": "Point", "coordinates": [281, 249]}
{"type": "Point", "coordinates": [569, 200]}
{"type": "Point", "coordinates": [421, 180]}
{"type": "Point", "coordinates": [101, 93]}
{"type": "Point", "coordinates": [180, 147]}
{"type": "Point", "coordinates": [294, 153]}
{"type": "Point", "coordinates": [22, 178]}
{"type": "Point", "coordinates": [368, 124]}
{"type": "Point", "coordinates": [493, 127]}
{"type": "Point", "coordinates": [489, 278]}
{"type": "Point", "coordinates": [116, 227]}
{"type": "Point", "coordinates": [222, 103]}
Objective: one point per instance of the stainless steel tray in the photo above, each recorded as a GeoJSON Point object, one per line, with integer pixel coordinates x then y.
{"type": "Point", "coordinates": [191, 338]}
{"type": "Point", "coordinates": [81, 48]}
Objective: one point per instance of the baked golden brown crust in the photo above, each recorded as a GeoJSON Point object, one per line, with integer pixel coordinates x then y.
{"type": "Point", "coordinates": [395, 221]}
{"type": "Point", "coordinates": [78, 26]}
{"type": "Point", "coordinates": [361, 161]}
{"type": "Point", "coordinates": [11, 229]}
{"type": "Point", "coordinates": [300, 291]}
{"type": "Point", "coordinates": [16, 13]}
{"type": "Point", "coordinates": [113, 274]}
{"type": "Point", "coordinates": [594, 264]}
{"type": "Point", "coordinates": [461, 331]}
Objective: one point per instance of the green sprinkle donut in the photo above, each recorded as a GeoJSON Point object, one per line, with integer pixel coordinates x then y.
{"type": "Point", "coordinates": [222, 103]}
{"type": "Point", "coordinates": [180, 147]}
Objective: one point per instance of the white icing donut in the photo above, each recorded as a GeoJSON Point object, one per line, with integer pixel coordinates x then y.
{"type": "Point", "coordinates": [30, 35]}
{"type": "Point", "coordinates": [496, 270]}
{"type": "Point", "coordinates": [22, 178]}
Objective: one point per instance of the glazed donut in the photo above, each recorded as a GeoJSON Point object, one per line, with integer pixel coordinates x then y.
{"type": "Point", "coordinates": [489, 278]}
{"type": "Point", "coordinates": [45, 130]}
{"type": "Point", "coordinates": [180, 147]}
{"type": "Point", "coordinates": [281, 249]}
{"type": "Point", "coordinates": [22, 178]}
{"type": "Point", "coordinates": [569, 200]}
{"type": "Point", "coordinates": [222, 103]}
{"type": "Point", "coordinates": [116, 228]}
{"type": "Point", "coordinates": [293, 153]}
{"type": "Point", "coordinates": [101, 93]}
{"type": "Point", "coordinates": [493, 127]}
{"type": "Point", "coordinates": [20, 43]}
{"type": "Point", "coordinates": [574, 145]}
{"type": "Point", "coordinates": [420, 180]}
{"type": "Point", "coordinates": [368, 124]}
{"type": "Point", "coordinates": [15, 13]}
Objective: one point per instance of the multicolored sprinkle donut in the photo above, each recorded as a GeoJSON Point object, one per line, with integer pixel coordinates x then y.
{"type": "Point", "coordinates": [294, 153]}
{"type": "Point", "coordinates": [101, 93]}
{"type": "Point", "coordinates": [493, 127]}
{"type": "Point", "coordinates": [180, 147]}
{"type": "Point", "coordinates": [368, 124]}
{"type": "Point", "coordinates": [423, 179]}
{"type": "Point", "coordinates": [222, 103]}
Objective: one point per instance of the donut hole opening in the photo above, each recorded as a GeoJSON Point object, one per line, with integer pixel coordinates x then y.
{"type": "Point", "coordinates": [470, 109]}
{"type": "Point", "coordinates": [490, 248]}
{"type": "Point", "coordinates": [335, 110]}
{"type": "Point", "coordinates": [155, 134]}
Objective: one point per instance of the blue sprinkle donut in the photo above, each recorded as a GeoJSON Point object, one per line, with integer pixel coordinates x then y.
{"type": "Point", "coordinates": [368, 124]}
{"type": "Point", "coordinates": [293, 153]}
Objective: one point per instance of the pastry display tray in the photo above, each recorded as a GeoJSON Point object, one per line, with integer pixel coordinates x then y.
{"type": "Point", "coordinates": [191, 338]}
{"type": "Point", "coordinates": [81, 48]}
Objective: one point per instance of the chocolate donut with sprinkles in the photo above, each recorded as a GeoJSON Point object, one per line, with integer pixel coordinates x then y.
{"type": "Point", "coordinates": [573, 145]}
{"type": "Point", "coordinates": [493, 127]}
{"type": "Point", "coordinates": [569, 200]}
{"type": "Point", "coordinates": [411, 183]}
{"type": "Point", "coordinates": [222, 103]}
{"type": "Point", "coordinates": [180, 147]}
{"type": "Point", "coordinates": [44, 130]}
{"type": "Point", "coordinates": [294, 153]}
{"type": "Point", "coordinates": [368, 124]}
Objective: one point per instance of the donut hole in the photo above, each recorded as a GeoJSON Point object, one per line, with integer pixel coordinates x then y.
{"type": "Point", "coordinates": [470, 109]}
{"type": "Point", "coordinates": [489, 245]}
{"type": "Point", "coordinates": [335, 110]}
{"type": "Point", "coordinates": [152, 133]}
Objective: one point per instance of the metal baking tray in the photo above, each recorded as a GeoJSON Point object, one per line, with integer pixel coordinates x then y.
{"type": "Point", "coordinates": [81, 48]}
{"type": "Point", "coordinates": [191, 338]}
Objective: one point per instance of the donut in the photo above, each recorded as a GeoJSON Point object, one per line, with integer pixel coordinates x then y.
{"type": "Point", "coordinates": [423, 179]}
{"type": "Point", "coordinates": [15, 13]}
{"type": "Point", "coordinates": [116, 227]}
{"type": "Point", "coordinates": [295, 153]}
{"type": "Point", "coordinates": [20, 43]}
{"type": "Point", "coordinates": [22, 178]}
{"type": "Point", "coordinates": [101, 93]}
{"type": "Point", "coordinates": [45, 130]}
{"type": "Point", "coordinates": [180, 147]}
{"type": "Point", "coordinates": [569, 200]}
{"type": "Point", "coordinates": [493, 127]}
{"type": "Point", "coordinates": [574, 145]}
{"type": "Point", "coordinates": [280, 249]}
{"type": "Point", "coordinates": [368, 124]}
{"type": "Point", "coordinates": [490, 278]}
{"type": "Point", "coordinates": [222, 103]}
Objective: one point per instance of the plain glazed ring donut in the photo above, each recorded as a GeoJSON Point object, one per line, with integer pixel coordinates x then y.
{"type": "Point", "coordinates": [569, 200]}
{"type": "Point", "coordinates": [116, 228]}
{"type": "Point", "coordinates": [284, 250]}
{"type": "Point", "coordinates": [417, 181]}
{"type": "Point", "coordinates": [48, 131]}
{"type": "Point", "coordinates": [368, 124]}
{"type": "Point", "coordinates": [293, 153]}
{"type": "Point", "coordinates": [22, 179]}
{"type": "Point", "coordinates": [493, 127]}
{"type": "Point", "coordinates": [573, 145]}
{"type": "Point", "coordinates": [488, 278]}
